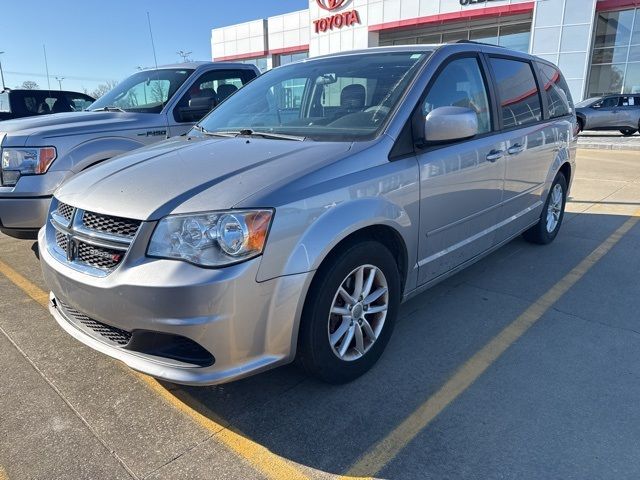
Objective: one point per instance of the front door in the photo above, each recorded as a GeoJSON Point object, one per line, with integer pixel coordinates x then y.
{"type": "Point", "coordinates": [460, 182]}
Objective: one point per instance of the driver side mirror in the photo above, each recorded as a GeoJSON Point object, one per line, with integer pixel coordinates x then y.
{"type": "Point", "coordinates": [446, 124]}
{"type": "Point", "coordinates": [197, 109]}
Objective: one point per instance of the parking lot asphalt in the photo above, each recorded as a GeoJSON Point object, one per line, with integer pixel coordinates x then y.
{"type": "Point", "coordinates": [523, 366]}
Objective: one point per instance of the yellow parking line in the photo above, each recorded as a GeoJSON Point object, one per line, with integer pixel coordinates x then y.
{"type": "Point", "coordinates": [389, 447]}
{"type": "Point", "coordinates": [260, 458]}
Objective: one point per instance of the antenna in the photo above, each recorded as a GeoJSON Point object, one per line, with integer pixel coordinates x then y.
{"type": "Point", "coordinates": [184, 55]}
{"type": "Point", "coordinates": [153, 46]}
{"type": "Point", "coordinates": [46, 66]}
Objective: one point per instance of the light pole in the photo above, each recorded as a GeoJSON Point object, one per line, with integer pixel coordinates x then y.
{"type": "Point", "coordinates": [1, 73]}
{"type": "Point", "coordinates": [59, 79]}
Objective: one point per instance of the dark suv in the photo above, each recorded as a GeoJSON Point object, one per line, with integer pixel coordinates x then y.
{"type": "Point", "coordinates": [29, 103]}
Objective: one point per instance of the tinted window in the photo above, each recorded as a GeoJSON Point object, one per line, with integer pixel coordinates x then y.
{"type": "Point", "coordinates": [78, 102]}
{"type": "Point", "coordinates": [556, 90]}
{"type": "Point", "coordinates": [609, 102]}
{"type": "Point", "coordinates": [517, 91]}
{"type": "Point", "coordinates": [460, 84]}
{"type": "Point", "coordinates": [629, 101]}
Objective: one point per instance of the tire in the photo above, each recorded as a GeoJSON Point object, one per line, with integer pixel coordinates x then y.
{"type": "Point", "coordinates": [627, 132]}
{"type": "Point", "coordinates": [541, 232]}
{"type": "Point", "coordinates": [315, 351]}
{"type": "Point", "coordinates": [580, 125]}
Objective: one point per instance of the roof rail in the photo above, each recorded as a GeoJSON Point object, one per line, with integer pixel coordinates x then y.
{"type": "Point", "coordinates": [478, 43]}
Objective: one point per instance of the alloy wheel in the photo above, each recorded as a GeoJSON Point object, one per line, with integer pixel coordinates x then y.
{"type": "Point", "coordinates": [554, 210]}
{"type": "Point", "coordinates": [358, 312]}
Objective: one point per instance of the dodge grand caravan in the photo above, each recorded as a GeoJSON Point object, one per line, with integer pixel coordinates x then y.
{"type": "Point", "coordinates": [296, 217]}
{"type": "Point", "coordinates": [39, 153]}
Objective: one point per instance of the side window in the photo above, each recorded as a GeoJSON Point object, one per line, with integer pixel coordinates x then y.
{"type": "Point", "coordinates": [78, 102]}
{"type": "Point", "coordinates": [208, 91]}
{"type": "Point", "coordinates": [556, 90]}
{"type": "Point", "coordinates": [628, 102]}
{"type": "Point", "coordinates": [517, 91]}
{"type": "Point", "coordinates": [460, 84]}
{"type": "Point", "coordinates": [609, 102]}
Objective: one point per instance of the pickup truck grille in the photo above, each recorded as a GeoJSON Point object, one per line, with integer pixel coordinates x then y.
{"type": "Point", "coordinates": [88, 241]}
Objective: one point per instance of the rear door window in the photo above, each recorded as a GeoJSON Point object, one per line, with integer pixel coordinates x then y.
{"type": "Point", "coordinates": [78, 102]}
{"type": "Point", "coordinates": [557, 91]}
{"type": "Point", "coordinates": [517, 92]}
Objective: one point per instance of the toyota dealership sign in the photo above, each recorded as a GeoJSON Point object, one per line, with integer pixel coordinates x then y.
{"type": "Point", "coordinates": [338, 20]}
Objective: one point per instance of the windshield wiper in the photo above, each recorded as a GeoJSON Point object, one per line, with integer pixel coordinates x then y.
{"type": "Point", "coordinates": [215, 134]}
{"type": "Point", "coordinates": [109, 108]}
{"type": "Point", "coordinates": [247, 132]}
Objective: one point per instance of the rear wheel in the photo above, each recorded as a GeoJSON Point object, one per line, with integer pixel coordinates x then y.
{"type": "Point", "coordinates": [580, 125]}
{"type": "Point", "coordinates": [349, 313]}
{"type": "Point", "coordinates": [627, 132]}
{"type": "Point", "coordinates": [546, 230]}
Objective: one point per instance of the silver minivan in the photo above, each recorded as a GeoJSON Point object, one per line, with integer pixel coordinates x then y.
{"type": "Point", "coordinates": [295, 218]}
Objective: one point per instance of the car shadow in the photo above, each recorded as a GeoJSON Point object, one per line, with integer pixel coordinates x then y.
{"type": "Point", "coordinates": [35, 250]}
{"type": "Point", "coordinates": [329, 427]}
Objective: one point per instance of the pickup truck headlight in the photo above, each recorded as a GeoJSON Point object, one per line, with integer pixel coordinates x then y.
{"type": "Point", "coordinates": [211, 239]}
{"type": "Point", "coordinates": [17, 162]}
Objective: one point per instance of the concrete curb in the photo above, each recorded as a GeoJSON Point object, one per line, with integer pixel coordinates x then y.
{"type": "Point", "coordinates": [607, 146]}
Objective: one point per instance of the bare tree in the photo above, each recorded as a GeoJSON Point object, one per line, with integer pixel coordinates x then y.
{"type": "Point", "coordinates": [29, 85]}
{"type": "Point", "coordinates": [103, 88]}
{"type": "Point", "coordinates": [159, 91]}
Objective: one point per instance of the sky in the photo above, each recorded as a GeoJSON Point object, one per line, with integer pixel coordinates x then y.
{"type": "Point", "coordinates": [89, 42]}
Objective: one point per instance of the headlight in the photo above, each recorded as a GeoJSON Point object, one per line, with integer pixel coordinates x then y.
{"type": "Point", "coordinates": [25, 161]}
{"type": "Point", "coordinates": [211, 239]}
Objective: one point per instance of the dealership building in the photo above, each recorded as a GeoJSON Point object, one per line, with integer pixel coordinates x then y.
{"type": "Point", "coordinates": [596, 43]}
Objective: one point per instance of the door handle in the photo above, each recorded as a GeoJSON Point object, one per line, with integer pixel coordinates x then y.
{"type": "Point", "coordinates": [495, 155]}
{"type": "Point", "coordinates": [516, 149]}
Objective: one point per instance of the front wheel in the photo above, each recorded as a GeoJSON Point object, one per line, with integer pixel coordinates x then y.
{"type": "Point", "coordinates": [627, 132]}
{"type": "Point", "coordinates": [546, 230]}
{"type": "Point", "coordinates": [349, 313]}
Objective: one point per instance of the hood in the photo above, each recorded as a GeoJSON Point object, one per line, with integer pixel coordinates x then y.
{"type": "Point", "coordinates": [187, 175]}
{"type": "Point", "coordinates": [71, 123]}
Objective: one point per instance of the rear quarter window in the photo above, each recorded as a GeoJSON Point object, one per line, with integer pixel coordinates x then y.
{"type": "Point", "coordinates": [517, 92]}
{"type": "Point", "coordinates": [556, 90]}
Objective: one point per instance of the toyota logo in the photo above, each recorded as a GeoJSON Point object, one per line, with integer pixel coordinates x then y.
{"type": "Point", "coordinates": [331, 4]}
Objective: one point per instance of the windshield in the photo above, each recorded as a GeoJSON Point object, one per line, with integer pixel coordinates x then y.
{"type": "Point", "coordinates": [338, 98]}
{"type": "Point", "coordinates": [588, 102]}
{"type": "Point", "coordinates": [145, 91]}
{"type": "Point", "coordinates": [4, 102]}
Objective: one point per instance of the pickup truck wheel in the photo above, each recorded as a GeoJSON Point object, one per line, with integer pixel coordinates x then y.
{"type": "Point", "coordinates": [546, 230]}
{"type": "Point", "coordinates": [349, 313]}
{"type": "Point", "coordinates": [627, 132]}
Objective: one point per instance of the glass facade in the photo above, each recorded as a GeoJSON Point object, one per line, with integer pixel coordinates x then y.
{"type": "Point", "coordinates": [290, 58]}
{"type": "Point", "coordinates": [615, 62]}
{"type": "Point", "coordinates": [515, 36]}
{"type": "Point", "coordinates": [261, 63]}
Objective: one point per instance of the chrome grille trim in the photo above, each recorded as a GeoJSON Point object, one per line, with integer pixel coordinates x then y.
{"type": "Point", "coordinates": [90, 251]}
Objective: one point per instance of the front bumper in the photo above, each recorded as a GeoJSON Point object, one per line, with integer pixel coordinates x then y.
{"type": "Point", "coordinates": [247, 326]}
{"type": "Point", "coordinates": [22, 217]}
{"type": "Point", "coordinates": [24, 208]}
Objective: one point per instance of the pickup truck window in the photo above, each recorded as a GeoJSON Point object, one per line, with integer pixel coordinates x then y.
{"type": "Point", "coordinates": [348, 97]}
{"type": "Point", "coordinates": [208, 91]}
{"type": "Point", "coordinates": [145, 91]}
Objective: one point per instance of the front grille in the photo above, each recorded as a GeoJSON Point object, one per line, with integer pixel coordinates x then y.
{"type": "Point", "coordinates": [107, 332]}
{"type": "Point", "coordinates": [89, 242]}
{"type": "Point", "coordinates": [99, 257]}
{"type": "Point", "coordinates": [65, 211]}
{"type": "Point", "coordinates": [113, 225]}
{"type": "Point", "coordinates": [62, 241]}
